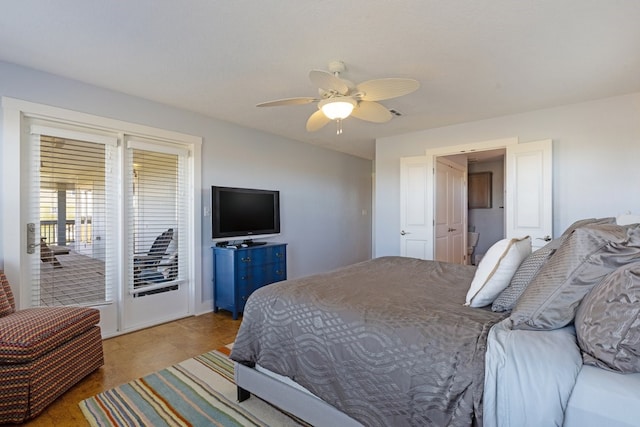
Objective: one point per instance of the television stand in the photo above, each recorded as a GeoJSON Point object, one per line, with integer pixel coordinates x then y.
{"type": "Point", "coordinates": [239, 271]}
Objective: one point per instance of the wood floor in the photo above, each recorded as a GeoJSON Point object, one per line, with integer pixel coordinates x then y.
{"type": "Point", "coordinates": [136, 354]}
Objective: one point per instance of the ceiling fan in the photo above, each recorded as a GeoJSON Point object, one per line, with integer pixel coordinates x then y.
{"type": "Point", "coordinates": [340, 98]}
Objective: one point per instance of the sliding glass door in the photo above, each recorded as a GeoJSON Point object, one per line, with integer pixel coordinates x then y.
{"type": "Point", "coordinates": [108, 220]}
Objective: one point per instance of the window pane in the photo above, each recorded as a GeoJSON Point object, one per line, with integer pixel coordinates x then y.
{"type": "Point", "coordinates": [155, 220]}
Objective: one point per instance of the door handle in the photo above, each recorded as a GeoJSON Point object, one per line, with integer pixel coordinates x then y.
{"type": "Point", "coordinates": [31, 238]}
{"type": "Point", "coordinates": [546, 238]}
{"type": "Point", "coordinates": [402, 233]}
{"type": "Point", "coordinates": [451, 229]}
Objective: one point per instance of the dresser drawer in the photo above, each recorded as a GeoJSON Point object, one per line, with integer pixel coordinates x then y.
{"type": "Point", "coordinates": [238, 272]}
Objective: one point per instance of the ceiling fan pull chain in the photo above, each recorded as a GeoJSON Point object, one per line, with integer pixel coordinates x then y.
{"type": "Point", "coordinates": [339, 124]}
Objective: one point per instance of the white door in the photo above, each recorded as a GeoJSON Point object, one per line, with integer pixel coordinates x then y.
{"type": "Point", "coordinates": [415, 227]}
{"type": "Point", "coordinates": [528, 207]}
{"type": "Point", "coordinates": [156, 284]}
{"type": "Point", "coordinates": [450, 212]}
{"type": "Point", "coordinates": [71, 217]}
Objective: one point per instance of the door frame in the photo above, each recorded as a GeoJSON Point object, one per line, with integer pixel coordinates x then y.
{"type": "Point", "coordinates": [432, 154]}
{"type": "Point", "coordinates": [13, 236]}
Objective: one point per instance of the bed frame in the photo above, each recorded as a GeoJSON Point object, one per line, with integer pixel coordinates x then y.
{"type": "Point", "coordinates": [297, 402]}
{"type": "Point", "coordinates": [600, 398]}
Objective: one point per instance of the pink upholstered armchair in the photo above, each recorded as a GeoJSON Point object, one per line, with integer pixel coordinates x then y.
{"type": "Point", "coordinates": [44, 351]}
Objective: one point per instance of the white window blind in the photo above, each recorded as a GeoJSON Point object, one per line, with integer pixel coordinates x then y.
{"type": "Point", "coordinates": [157, 216]}
{"type": "Point", "coordinates": [72, 205]}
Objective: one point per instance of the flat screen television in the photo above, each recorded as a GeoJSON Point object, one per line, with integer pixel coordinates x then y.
{"type": "Point", "coordinates": [244, 212]}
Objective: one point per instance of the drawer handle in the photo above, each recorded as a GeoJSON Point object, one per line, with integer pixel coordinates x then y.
{"type": "Point", "coordinates": [279, 255]}
{"type": "Point", "coordinates": [247, 259]}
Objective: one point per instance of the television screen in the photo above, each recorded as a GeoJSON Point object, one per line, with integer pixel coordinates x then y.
{"type": "Point", "coordinates": [242, 212]}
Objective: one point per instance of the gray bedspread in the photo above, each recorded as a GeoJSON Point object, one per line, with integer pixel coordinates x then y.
{"type": "Point", "coordinates": [387, 341]}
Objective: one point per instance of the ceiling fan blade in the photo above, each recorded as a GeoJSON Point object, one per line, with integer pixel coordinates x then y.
{"type": "Point", "coordinates": [371, 112]}
{"type": "Point", "coordinates": [380, 89]}
{"type": "Point", "coordinates": [288, 101]}
{"type": "Point", "coordinates": [316, 121]}
{"type": "Point", "coordinates": [327, 81]}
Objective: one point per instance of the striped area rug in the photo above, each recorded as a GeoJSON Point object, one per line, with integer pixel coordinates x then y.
{"type": "Point", "coordinates": [197, 392]}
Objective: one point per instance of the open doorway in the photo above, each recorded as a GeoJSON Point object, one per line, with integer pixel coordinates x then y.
{"type": "Point", "coordinates": [486, 219]}
{"type": "Point", "coordinates": [484, 210]}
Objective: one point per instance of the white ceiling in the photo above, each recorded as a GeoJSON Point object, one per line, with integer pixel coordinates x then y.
{"type": "Point", "coordinates": [475, 59]}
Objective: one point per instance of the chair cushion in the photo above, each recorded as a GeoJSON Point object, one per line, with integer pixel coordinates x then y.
{"type": "Point", "coordinates": [28, 334]}
{"type": "Point", "coordinates": [152, 276]}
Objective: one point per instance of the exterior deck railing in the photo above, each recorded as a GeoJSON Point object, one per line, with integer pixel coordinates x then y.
{"type": "Point", "coordinates": [49, 231]}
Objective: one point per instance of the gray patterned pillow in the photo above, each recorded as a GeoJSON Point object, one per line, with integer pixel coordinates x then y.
{"type": "Point", "coordinates": [587, 221]}
{"type": "Point", "coordinates": [522, 277]}
{"type": "Point", "coordinates": [608, 321]}
{"type": "Point", "coordinates": [582, 261]}
{"type": "Point", "coordinates": [530, 266]}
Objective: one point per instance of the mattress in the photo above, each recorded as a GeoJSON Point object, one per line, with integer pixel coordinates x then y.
{"type": "Point", "coordinates": [536, 378]}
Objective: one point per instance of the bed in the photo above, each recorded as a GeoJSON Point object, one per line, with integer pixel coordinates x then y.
{"type": "Point", "coordinates": [401, 341]}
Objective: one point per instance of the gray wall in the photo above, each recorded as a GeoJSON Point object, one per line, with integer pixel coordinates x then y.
{"type": "Point", "coordinates": [323, 193]}
{"type": "Point", "coordinates": [596, 150]}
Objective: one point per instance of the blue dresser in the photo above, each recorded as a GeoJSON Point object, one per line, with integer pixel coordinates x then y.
{"type": "Point", "coordinates": [239, 272]}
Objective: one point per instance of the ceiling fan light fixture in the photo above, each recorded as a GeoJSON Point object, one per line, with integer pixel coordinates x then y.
{"type": "Point", "coordinates": [337, 108]}
{"type": "Point", "coordinates": [340, 98]}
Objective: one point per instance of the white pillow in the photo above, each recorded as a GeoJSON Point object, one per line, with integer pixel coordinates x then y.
{"type": "Point", "coordinates": [496, 268]}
